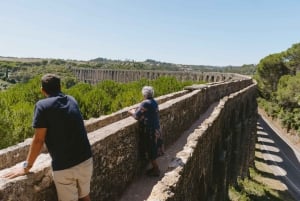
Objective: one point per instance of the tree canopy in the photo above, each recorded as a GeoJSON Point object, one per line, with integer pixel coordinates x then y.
{"type": "Point", "coordinates": [17, 102]}
{"type": "Point", "coordinates": [278, 77]}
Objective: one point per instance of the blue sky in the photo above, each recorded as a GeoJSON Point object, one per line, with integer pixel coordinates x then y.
{"type": "Point", "coordinates": [200, 32]}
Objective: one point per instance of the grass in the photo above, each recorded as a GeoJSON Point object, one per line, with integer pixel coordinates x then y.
{"type": "Point", "coordinates": [260, 186]}
{"type": "Point", "coordinates": [4, 85]}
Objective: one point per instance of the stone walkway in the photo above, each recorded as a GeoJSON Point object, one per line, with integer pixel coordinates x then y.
{"type": "Point", "coordinates": [141, 188]}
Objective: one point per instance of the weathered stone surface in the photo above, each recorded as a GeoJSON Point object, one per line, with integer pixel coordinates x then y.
{"type": "Point", "coordinates": [215, 154]}
{"type": "Point", "coordinates": [97, 75]}
{"type": "Point", "coordinates": [96, 123]}
{"type": "Point", "coordinates": [36, 186]}
{"type": "Point", "coordinates": [202, 169]}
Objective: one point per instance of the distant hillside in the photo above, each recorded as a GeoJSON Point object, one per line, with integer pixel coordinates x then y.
{"type": "Point", "coordinates": [19, 59]}
{"type": "Point", "coordinates": [14, 70]}
{"type": "Point", "coordinates": [151, 64]}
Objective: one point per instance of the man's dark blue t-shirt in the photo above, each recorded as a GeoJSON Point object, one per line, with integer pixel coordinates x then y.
{"type": "Point", "coordinates": [66, 137]}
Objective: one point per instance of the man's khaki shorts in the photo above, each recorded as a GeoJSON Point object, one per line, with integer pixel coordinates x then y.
{"type": "Point", "coordinates": [74, 183]}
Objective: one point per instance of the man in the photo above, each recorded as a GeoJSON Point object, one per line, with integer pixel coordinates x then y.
{"type": "Point", "coordinates": [58, 122]}
{"type": "Point", "coordinates": [148, 115]}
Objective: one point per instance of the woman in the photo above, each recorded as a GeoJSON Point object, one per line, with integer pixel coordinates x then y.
{"type": "Point", "coordinates": [148, 115]}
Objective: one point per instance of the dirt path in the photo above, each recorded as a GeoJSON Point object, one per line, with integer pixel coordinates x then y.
{"type": "Point", "coordinates": [141, 188]}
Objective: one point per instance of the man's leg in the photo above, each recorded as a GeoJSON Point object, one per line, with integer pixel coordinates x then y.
{"type": "Point", "coordinates": [154, 164]}
{"type": "Point", "coordinates": [154, 171]}
{"type": "Point", "coordinates": [66, 185]}
{"type": "Point", "coordinates": [86, 198]}
{"type": "Point", "coordinates": [84, 173]}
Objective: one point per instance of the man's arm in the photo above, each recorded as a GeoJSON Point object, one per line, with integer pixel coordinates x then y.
{"type": "Point", "coordinates": [36, 145]}
{"type": "Point", "coordinates": [34, 151]}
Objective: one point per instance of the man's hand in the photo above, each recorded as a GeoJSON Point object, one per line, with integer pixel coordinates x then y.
{"type": "Point", "coordinates": [132, 111]}
{"type": "Point", "coordinates": [16, 172]}
{"type": "Point", "coordinates": [34, 151]}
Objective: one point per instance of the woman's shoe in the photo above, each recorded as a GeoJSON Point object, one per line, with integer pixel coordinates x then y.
{"type": "Point", "coordinates": [153, 172]}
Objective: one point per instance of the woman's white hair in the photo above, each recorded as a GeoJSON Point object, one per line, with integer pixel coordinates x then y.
{"type": "Point", "coordinates": [148, 92]}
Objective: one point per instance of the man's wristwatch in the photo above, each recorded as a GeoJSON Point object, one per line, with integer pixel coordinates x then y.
{"type": "Point", "coordinates": [26, 165]}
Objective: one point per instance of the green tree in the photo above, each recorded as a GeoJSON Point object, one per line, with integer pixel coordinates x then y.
{"type": "Point", "coordinates": [126, 98]}
{"type": "Point", "coordinates": [68, 82]}
{"type": "Point", "coordinates": [110, 87]}
{"type": "Point", "coordinates": [269, 70]}
{"type": "Point", "coordinates": [21, 121]}
{"type": "Point", "coordinates": [288, 92]}
{"type": "Point", "coordinates": [17, 103]}
{"type": "Point", "coordinates": [292, 58]}
{"type": "Point", "coordinates": [78, 92]}
{"type": "Point", "coordinates": [101, 103]}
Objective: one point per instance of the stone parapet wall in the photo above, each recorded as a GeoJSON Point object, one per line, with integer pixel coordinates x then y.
{"type": "Point", "coordinates": [116, 148]}
{"type": "Point", "coordinates": [96, 123]}
{"type": "Point", "coordinates": [17, 153]}
{"type": "Point", "coordinates": [216, 153]}
{"type": "Point", "coordinates": [14, 154]}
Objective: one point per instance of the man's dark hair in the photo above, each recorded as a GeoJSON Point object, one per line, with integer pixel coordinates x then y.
{"type": "Point", "coordinates": [51, 83]}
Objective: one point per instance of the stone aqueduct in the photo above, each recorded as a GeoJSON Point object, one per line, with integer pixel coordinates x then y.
{"type": "Point", "coordinates": [219, 151]}
{"type": "Point", "coordinates": [95, 75]}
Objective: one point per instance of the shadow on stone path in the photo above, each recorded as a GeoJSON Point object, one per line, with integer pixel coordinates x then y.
{"type": "Point", "coordinates": [141, 188]}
